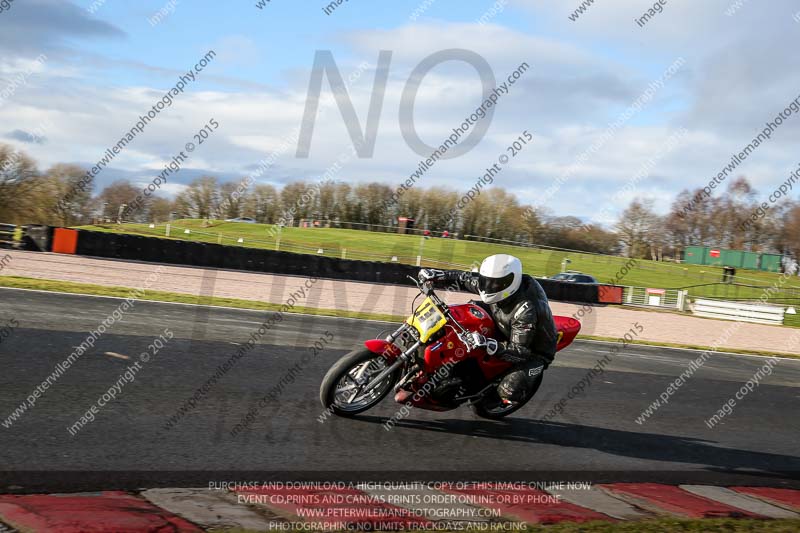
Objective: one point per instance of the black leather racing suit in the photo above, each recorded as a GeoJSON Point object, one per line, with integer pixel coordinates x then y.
{"type": "Point", "coordinates": [526, 333]}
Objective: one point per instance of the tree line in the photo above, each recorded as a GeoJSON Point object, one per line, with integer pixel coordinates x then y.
{"type": "Point", "coordinates": [731, 219]}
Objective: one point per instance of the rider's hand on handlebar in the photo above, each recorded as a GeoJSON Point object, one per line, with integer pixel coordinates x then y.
{"type": "Point", "coordinates": [476, 340]}
{"type": "Point", "coordinates": [429, 274]}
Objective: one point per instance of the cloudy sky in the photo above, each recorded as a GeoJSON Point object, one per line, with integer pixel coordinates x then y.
{"type": "Point", "coordinates": [102, 64]}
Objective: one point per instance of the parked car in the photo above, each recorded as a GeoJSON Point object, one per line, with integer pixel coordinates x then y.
{"type": "Point", "coordinates": [575, 277]}
{"type": "Point", "coordinates": [248, 220]}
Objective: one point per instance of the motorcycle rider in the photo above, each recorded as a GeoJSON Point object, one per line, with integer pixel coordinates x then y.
{"type": "Point", "coordinates": [519, 307]}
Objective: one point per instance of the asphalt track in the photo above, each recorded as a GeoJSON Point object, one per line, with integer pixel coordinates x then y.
{"type": "Point", "coordinates": [596, 438]}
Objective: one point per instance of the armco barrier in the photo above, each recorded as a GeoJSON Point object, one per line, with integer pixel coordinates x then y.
{"type": "Point", "coordinates": [157, 250]}
{"type": "Point", "coordinates": [739, 311]}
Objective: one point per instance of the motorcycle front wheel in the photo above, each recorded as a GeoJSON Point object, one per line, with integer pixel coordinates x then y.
{"type": "Point", "coordinates": [342, 391]}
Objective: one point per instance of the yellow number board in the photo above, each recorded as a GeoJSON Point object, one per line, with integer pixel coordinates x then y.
{"type": "Point", "coordinates": [427, 319]}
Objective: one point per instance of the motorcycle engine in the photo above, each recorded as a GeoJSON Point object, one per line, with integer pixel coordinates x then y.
{"type": "Point", "coordinates": [464, 379]}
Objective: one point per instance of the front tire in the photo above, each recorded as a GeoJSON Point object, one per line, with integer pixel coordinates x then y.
{"type": "Point", "coordinates": [341, 381]}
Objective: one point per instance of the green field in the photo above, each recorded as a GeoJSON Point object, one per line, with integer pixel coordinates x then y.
{"type": "Point", "coordinates": [448, 253]}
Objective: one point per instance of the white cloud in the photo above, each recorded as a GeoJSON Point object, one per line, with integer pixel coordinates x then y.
{"type": "Point", "coordinates": [574, 89]}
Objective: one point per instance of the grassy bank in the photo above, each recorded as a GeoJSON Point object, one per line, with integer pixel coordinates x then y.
{"type": "Point", "coordinates": [357, 244]}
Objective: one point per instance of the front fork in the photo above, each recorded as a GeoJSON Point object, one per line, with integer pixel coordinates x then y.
{"type": "Point", "coordinates": [400, 361]}
{"type": "Point", "coordinates": [406, 379]}
{"type": "Point", "coordinates": [387, 349]}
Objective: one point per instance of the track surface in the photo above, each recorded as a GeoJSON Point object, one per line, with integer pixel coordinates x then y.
{"type": "Point", "coordinates": [596, 438]}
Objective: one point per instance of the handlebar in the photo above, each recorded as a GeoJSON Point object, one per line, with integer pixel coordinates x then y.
{"type": "Point", "coordinates": [467, 340]}
{"type": "Point", "coordinates": [428, 290]}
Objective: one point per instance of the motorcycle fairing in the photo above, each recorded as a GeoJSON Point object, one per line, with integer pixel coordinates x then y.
{"type": "Point", "coordinates": [427, 319]}
{"type": "Point", "coordinates": [382, 347]}
{"type": "Point", "coordinates": [567, 328]}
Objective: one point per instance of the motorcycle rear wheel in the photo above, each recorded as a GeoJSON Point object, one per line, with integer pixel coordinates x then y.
{"type": "Point", "coordinates": [491, 406]}
{"type": "Point", "coordinates": [341, 379]}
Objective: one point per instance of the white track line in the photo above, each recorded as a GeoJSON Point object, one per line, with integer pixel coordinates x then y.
{"type": "Point", "coordinates": [785, 358]}
{"type": "Point", "coordinates": [196, 305]}
{"type": "Point", "coordinates": [715, 352]}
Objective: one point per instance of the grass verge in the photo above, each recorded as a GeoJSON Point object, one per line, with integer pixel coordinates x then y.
{"type": "Point", "coordinates": [18, 282]}
{"type": "Point", "coordinates": [692, 347]}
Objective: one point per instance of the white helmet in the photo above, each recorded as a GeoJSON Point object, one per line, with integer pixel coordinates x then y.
{"type": "Point", "coordinates": [500, 277]}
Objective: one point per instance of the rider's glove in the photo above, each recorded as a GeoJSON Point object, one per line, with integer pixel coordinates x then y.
{"type": "Point", "coordinates": [429, 274]}
{"type": "Point", "coordinates": [479, 341]}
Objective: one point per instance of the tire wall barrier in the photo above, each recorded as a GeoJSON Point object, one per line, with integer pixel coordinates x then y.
{"type": "Point", "coordinates": [38, 238]}
{"type": "Point", "coordinates": [151, 249]}
{"type": "Point", "coordinates": [609, 294]}
{"type": "Point", "coordinates": [65, 241]}
{"type": "Point", "coordinates": [156, 250]}
{"type": "Point", "coordinates": [561, 291]}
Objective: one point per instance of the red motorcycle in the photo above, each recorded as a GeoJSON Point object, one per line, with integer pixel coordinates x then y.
{"type": "Point", "coordinates": [431, 356]}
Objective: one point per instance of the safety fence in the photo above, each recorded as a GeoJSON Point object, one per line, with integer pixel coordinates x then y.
{"type": "Point", "coordinates": [332, 250]}
{"type": "Point", "coordinates": [655, 297]}
{"type": "Point", "coordinates": [739, 311]}
{"type": "Point", "coordinates": [545, 260]}
{"type": "Point", "coordinates": [783, 313]}
{"type": "Point", "coordinates": [668, 266]}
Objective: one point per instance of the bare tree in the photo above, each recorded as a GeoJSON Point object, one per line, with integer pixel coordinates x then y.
{"type": "Point", "coordinates": [23, 195]}
{"type": "Point", "coordinates": [71, 203]}
{"type": "Point", "coordinates": [160, 210]}
{"type": "Point", "coordinates": [201, 199]}
{"type": "Point", "coordinates": [232, 200]}
{"type": "Point", "coordinates": [370, 199]}
{"type": "Point", "coordinates": [636, 228]}
{"type": "Point", "coordinates": [120, 193]}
